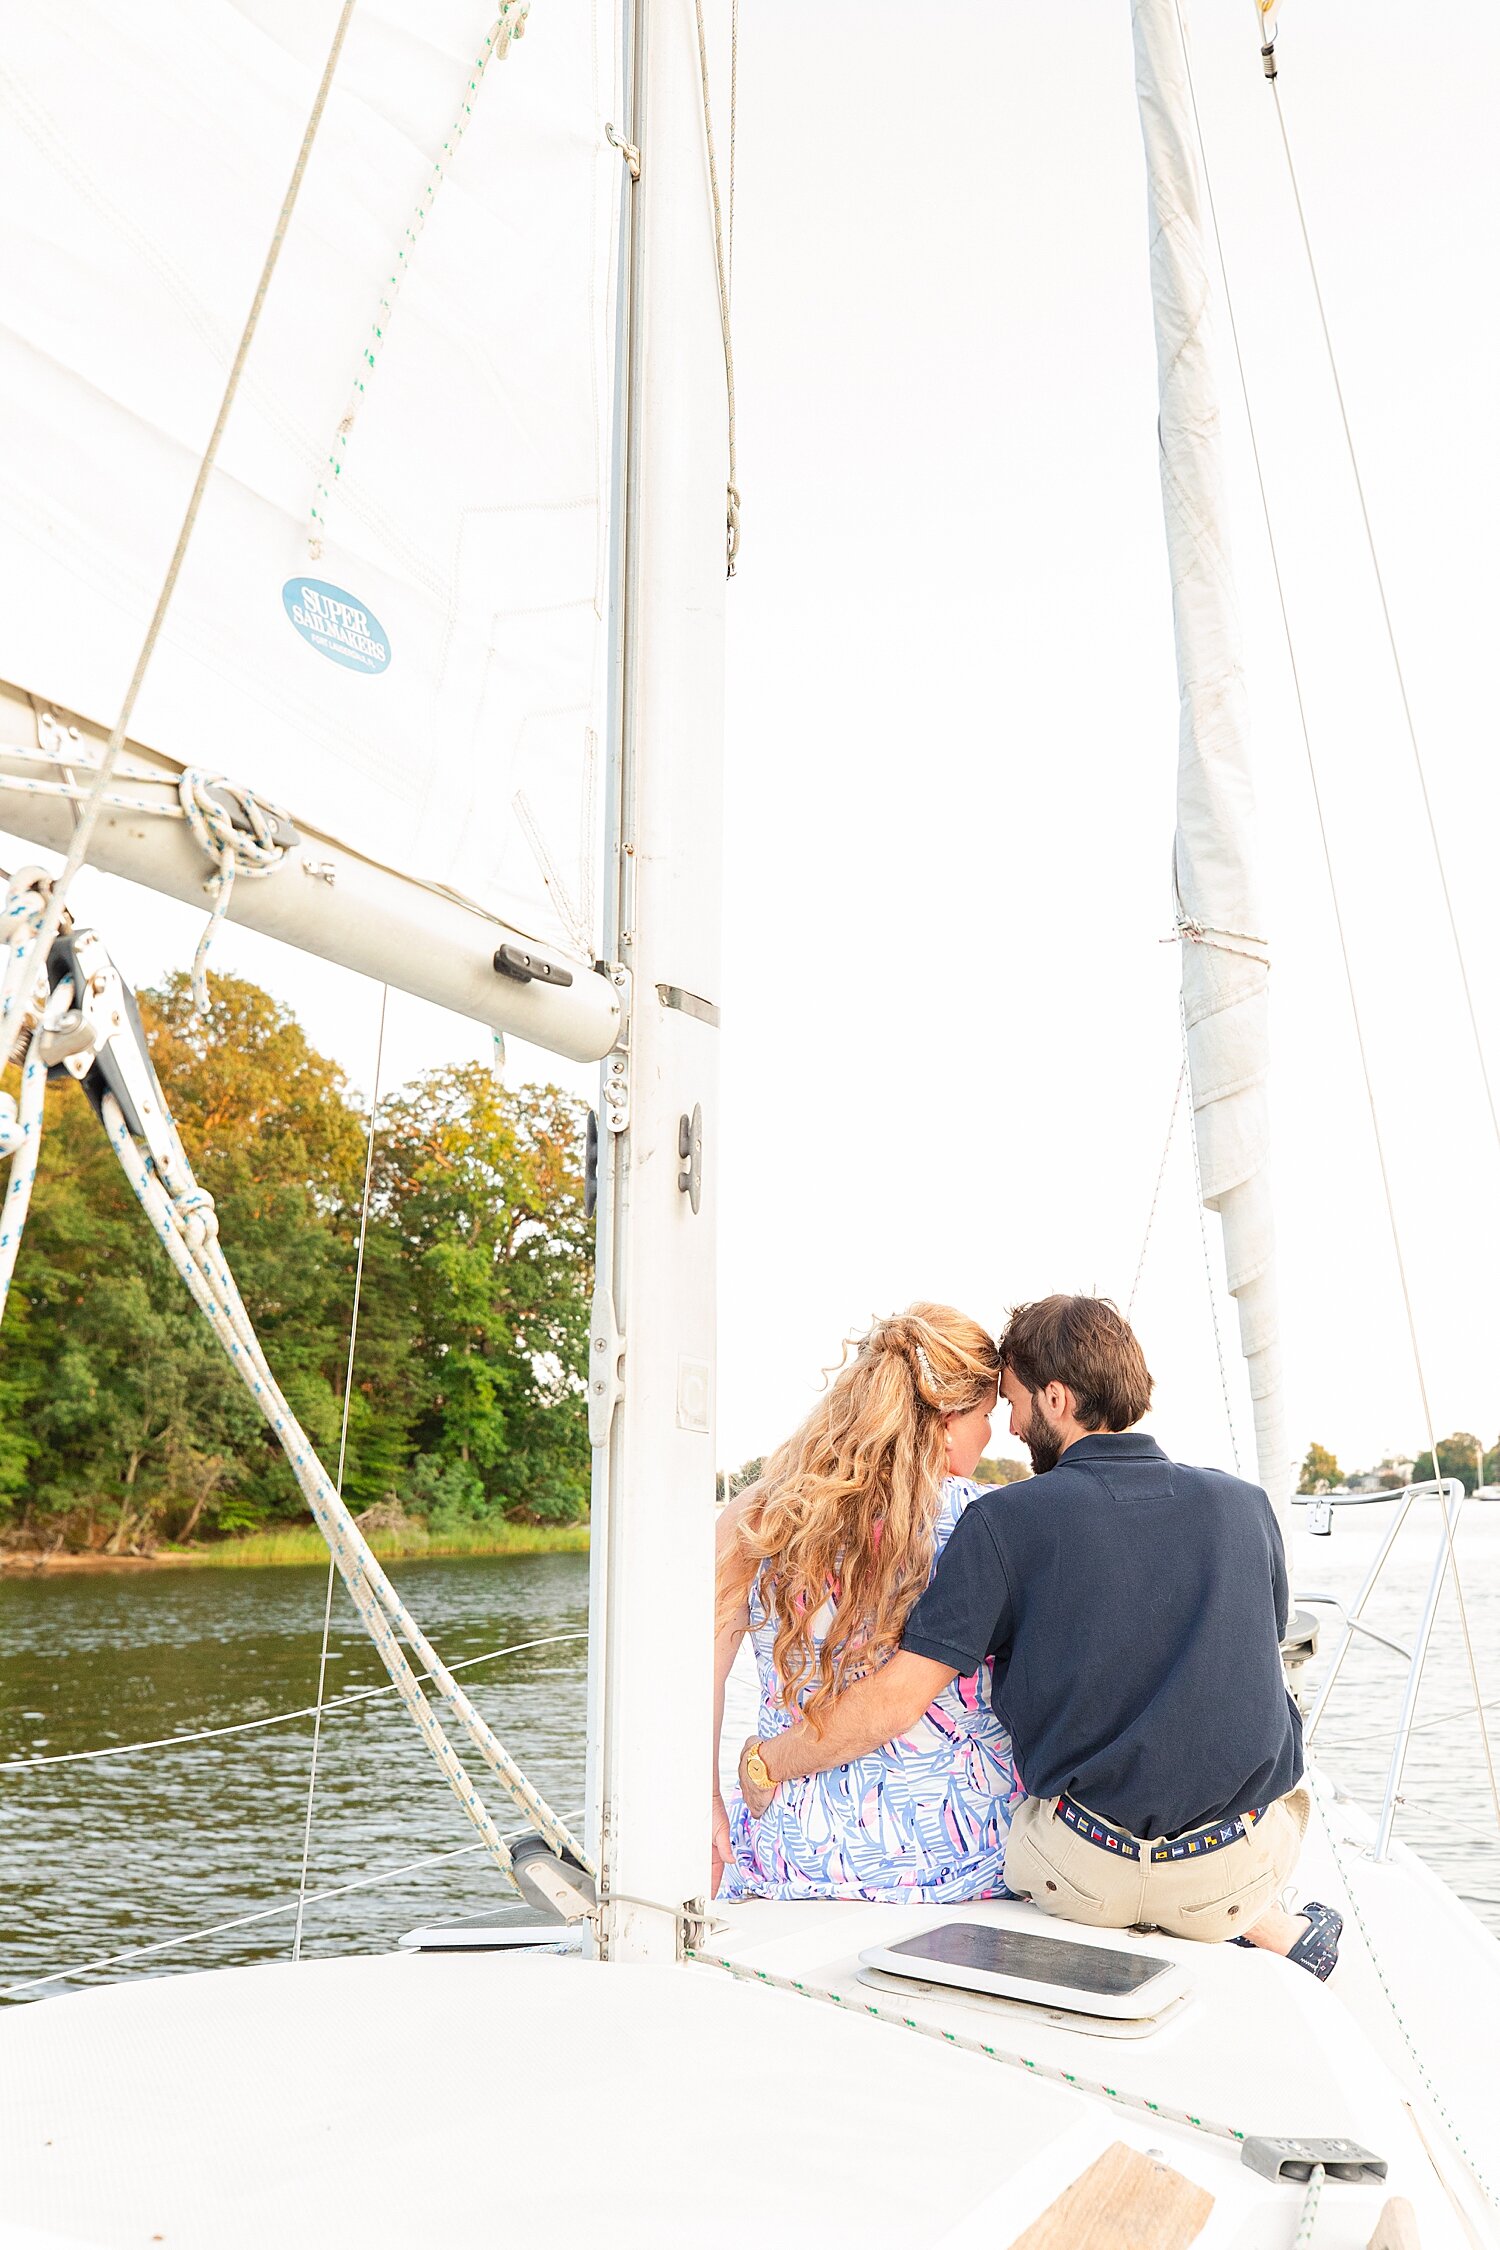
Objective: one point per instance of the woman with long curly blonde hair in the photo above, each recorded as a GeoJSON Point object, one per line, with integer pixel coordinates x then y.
{"type": "Point", "coordinates": [819, 1562]}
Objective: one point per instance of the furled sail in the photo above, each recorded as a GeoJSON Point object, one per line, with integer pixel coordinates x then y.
{"type": "Point", "coordinates": [391, 620]}
{"type": "Point", "coordinates": [1225, 968]}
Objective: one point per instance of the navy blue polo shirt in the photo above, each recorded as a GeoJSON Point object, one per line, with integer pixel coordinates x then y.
{"type": "Point", "coordinates": [1134, 1609]}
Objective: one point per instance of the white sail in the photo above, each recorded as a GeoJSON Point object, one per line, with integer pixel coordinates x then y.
{"type": "Point", "coordinates": [1225, 966]}
{"type": "Point", "coordinates": [391, 620]}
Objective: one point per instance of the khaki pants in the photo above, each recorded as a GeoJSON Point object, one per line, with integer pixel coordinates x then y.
{"type": "Point", "coordinates": [1218, 1896]}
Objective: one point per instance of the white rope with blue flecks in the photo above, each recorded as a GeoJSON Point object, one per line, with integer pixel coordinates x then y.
{"type": "Point", "coordinates": [187, 1228]}
{"type": "Point", "coordinates": [20, 919]}
{"type": "Point", "coordinates": [856, 2004]}
{"type": "Point", "coordinates": [21, 1141]}
{"type": "Point", "coordinates": [20, 1120]}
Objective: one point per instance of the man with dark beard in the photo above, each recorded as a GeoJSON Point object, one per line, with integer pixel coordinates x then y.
{"type": "Point", "coordinates": [1132, 1610]}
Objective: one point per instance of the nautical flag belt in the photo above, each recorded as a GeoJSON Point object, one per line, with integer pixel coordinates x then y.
{"type": "Point", "coordinates": [1193, 1845]}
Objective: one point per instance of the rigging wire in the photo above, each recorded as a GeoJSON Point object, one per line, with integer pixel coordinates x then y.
{"type": "Point", "coordinates": [734, 118]}
{"type": "Point", "coordinates": [1161, 1173]}
{"type": "Point", "coordinates": [732, 513]}
{"type": "Point", "coordinates": [1385, 609]}
{"type": "Point", "coordinates": [88, 820]}
{"type": "Point", "coordinates": [263, 1914]}
{"type": "Point", "coordinates": [359, 1277]}
{"type": "Point", "coordinates": [1335, 897]}
{"type": "Point", "coordinates": [1424, 1808]}
{"type": "Point", "coordinates": [276, 1718]}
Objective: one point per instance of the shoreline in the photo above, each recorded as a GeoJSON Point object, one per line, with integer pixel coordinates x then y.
{"type": "Point", "coordinates": [301, 1545]}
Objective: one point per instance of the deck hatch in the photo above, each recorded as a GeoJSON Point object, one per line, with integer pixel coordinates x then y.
{"type": "Point", "coordinates": [1007, 1963]}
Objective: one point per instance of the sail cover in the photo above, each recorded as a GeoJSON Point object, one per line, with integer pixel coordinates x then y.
{"type": "Point", "coordinates": [1225, 967]}
{"type": "Point", "coordinates": [391, 619]}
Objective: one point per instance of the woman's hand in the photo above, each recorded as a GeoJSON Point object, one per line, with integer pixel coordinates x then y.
{"type": "Point", "coordinates": [722, 1849]}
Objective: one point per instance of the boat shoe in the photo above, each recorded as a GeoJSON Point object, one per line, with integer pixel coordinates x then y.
{"type": "Point", "coordinates": [1317, 1950]}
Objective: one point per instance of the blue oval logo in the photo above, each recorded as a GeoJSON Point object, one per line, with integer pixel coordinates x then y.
{"type": "Point", "coordinates": [336, 625]}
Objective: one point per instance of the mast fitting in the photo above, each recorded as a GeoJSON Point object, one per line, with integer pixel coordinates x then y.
{"type": "Point", "coordinates": [690, 1149]}
{"type": "Point", "coordinates": [606, 1354]}
{"type": "Point", "coordinates": [523, 966]}
{"type": "Point", "coordinates": [616, 1073]}
{"type": "Point", "coordinates": [627, 149]}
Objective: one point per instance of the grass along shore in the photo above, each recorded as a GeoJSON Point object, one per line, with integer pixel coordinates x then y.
{"type": "Point", "coordinates": [304, 1543]}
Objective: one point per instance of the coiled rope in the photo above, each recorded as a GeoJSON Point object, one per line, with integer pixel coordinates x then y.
{"type": "Point", "coordinates": [200, 802]}
{"type": "Point", "coordinates": [235, 851]}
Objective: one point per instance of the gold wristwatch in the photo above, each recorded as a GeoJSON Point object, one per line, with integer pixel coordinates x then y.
{"type": "Point", "coordinates": [755, 1767]}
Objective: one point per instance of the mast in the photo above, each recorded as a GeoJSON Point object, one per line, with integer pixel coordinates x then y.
{"type": "Point", "coordinates": [651, 1361]}
{"type": "Point", "coordinates": [1225, 966]}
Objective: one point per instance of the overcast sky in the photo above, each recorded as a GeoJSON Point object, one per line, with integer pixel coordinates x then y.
{"type": "Point", "coordinates": [950, 1019]}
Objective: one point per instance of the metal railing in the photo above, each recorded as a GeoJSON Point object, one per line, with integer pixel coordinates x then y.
{"type": "Point", "coordinates": [1450, 1491]}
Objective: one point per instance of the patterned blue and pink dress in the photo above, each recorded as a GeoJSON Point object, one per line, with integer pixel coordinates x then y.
{"type": "Point", "coordinates": [919, 1822]}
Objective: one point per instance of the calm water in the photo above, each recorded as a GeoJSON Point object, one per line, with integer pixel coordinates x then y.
{"type": "Point", "coordinates": [99, 1857]}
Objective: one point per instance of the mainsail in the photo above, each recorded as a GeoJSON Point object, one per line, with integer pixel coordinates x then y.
{"type": "Point", "coordinates": [1225, 966]}
{"type": "Point", "coordinates": [391, 621]}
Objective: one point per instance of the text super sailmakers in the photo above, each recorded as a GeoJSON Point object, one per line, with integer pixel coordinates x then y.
{"type": "Point", "coordinates": [338, 621]}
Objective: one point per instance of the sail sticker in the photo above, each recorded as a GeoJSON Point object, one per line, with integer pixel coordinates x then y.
{"type": "Point", "coordinates": [336, 625]}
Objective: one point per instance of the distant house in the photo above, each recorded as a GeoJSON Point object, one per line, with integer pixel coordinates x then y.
{"type": "Point", "coordinates": [1389, 1477]}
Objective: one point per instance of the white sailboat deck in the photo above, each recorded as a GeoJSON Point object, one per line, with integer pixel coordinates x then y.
{"type": "Point", "coordinates": [458, 2098]}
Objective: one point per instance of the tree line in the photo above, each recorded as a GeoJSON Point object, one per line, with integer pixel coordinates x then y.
{"type": "Point", "coordinates": [1458, 1456]}
{"type": "Point", "coordinates": [121, 1422]}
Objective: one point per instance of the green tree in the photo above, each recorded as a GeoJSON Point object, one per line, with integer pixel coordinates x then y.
{"type": "Point", "coordinates": [18, 1439]}
{"type": "Point", "coordinates": [134, 1420]}
{"type": "Point", "coordinates": [1000, 1469]}
{"type": "Point", "coordinates": [482, 1187]}
{"type": "Point", "coordinates": [1320, 1471]}
{"type": "Point", "coordinates": [1458, 1456]}
{"type": "Point", "coordinates": [121, 1419]}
